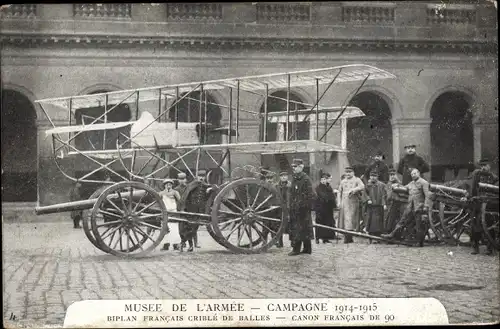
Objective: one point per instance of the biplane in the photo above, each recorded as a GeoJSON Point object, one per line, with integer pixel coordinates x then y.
{"type": "Point", "coordinates": [126, 217]}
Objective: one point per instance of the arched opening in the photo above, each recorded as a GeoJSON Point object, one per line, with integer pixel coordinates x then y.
{"type": "Point", "coordinates": [452, 137]}
{"type": "Point", "coordinates": [277, 105]}
{"type": "Point", "coordinates": [19, 148]}
{"type": "Point", "coordinates": [102, 139]}
{"type": "Point", "coordinates": [371, 133]}
{"type": "Point", "coordinates": [189, 111]}
{"type": "Point", "coordinates": [296, 130]}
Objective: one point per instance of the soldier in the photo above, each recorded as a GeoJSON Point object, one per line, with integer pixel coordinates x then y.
{"type": "Point", "coordinates": [181, 188]}
{"type": "Point", "coordinates": [482, 175]}
{"type": "Point", "coordinates": [396, 203]}
{"type": "Point", "coordinates": [350, 190]}
{"type": "Point", "coordinates": [75, 195]}
{"type": "Point", "coordinates": [409, 161]}
{"type": "Point", "coordinates": [323, 207]}
{"type": "Point", "coordinates": [283, 188]}
{"type": "Point", "coordinates": [301, 199]}
{"type": "Point", "coordinates": [375, 204]}
{"type": "Point", "coordinates": [379, 166]}
{"type": "Point", "coordinates": [195, 200]}
{"type": "Point", "coordinates": [416, 209]}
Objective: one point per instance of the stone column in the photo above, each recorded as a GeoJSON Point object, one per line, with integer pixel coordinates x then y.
{"type": "Point", "coordinates": [412, 131]}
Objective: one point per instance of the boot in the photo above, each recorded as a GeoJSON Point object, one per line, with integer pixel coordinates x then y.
{"type": "Point", "coordinates": [475, 248]}
{"type": "Point", "coordinates": [317, 241]}
{"type": "Point", "coordinates": [307, 247]}
{"type": "Point", "coordinates": [489, 251]}
{"type": "Point", "coordinates": [190, 249]}
{"type": "Point", "coordinates": [296, 249]}
{"type": "Point", "coordinates": [183, 245]}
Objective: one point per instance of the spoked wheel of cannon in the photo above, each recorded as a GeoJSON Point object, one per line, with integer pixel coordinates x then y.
{"type": "Point", "coordinates": [455, 222]}
{"type": "Point", "coordinates": [436, 224]}
{"type": "Point", "coordinates": [87, 226]}
{"type": "Point", "coordinates": [134, 219]}
{"type": "Point", "coordinates": [245, 213]}
{"type": "Point", "coordinates": [490, 223]}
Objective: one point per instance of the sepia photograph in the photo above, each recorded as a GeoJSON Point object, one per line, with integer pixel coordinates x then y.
{"type": "Point", "coordinates": [250, 163]}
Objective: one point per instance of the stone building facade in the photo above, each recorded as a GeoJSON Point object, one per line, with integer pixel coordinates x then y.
{"type": "Point", "coordinates": [444, 56]}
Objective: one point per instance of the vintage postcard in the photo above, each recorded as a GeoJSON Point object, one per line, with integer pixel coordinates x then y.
{"type": "Point", "coordinates": [250, 164]}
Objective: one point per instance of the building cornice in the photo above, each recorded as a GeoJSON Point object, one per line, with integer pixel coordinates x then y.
{"type": "Point", "coordinates": [28, 40]}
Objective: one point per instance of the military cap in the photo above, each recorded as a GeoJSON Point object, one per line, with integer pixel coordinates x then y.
{"type": "Point", "coordinates": [297, 162]}
{"type": "Point", "coordinates": [202, 172]}
{"type": "Point", "coordinates": [324, 175]}
{"type": "Point", "coordinates": [328, 175]}
{"type": "Point", "coordinates": [349, 168]}
{"type": "Point", "coordinates": [284, 173]}
{"type": "Point", "coordinates": [269, 174]}
{"type": "Point", "coordinates": [484, 161]}
{"type": "Point", "coordinates": [168, 180]}
{"type": "Point", "coordinates": [181, 175]}
{"type": "Point", "coordinates": [392, 170]}
{"type": "Point", "coordinates": [379, 153]}
{"type": "Point", "coordinates": [410, 145]}
{"type": "Point", "coordinates": [374, 173]}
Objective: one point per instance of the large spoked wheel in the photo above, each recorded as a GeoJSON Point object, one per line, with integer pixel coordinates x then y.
{"type": "Point", "coordinates": [490, 223]}
{"type": "Point", "coordinates": [456, 223]}
{"type": "Point", "coordinates": [435, 223]}
{"type": "Point", "coordinates": [129, 219]}
{"type": "Point", "coordinates": [246, 213]}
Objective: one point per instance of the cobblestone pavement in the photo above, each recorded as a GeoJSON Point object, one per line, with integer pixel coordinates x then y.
{"type": "Point", "coordinates": [48, 266]}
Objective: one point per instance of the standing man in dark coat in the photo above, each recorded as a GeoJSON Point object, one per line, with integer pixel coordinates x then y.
{"type": "Point", "coordinates": [283, 188]}
{"type": "Point", "coordinates": [323, 207]}
{"type": "Point", "coordinates": [375, 198]}
{"type": "Point", "coordinates": [301, 199]}
{"type": "Point", "coordinates": [409, 161]}
{"type": "Point", "coordinates": [75, 195]}
{"type": "Point", "coordinates": [482, 175]}
{"type": "Point", "coordinates": [195, 199]}
{"type": "Point", "coordinates": [379, 166]}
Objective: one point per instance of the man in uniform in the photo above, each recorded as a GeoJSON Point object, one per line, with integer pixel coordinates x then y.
{"type": "Point", "coordinates": [409, 161]}
{"type": "Point", "coordinates": [323, 207]}
{"type": "Point", "coordinates": [75, 195]}
{"type": "Point", "coordinates": [375, 198]}
{"type": "Point", "coordinates": [194, 202]}
{"type": "Point", "coordinates": [379, 166]}
{"type": "Point", "coordinates": [283, 188]}
{"type": "Point", "coordinates": [350, 191]}
{"type": "Point", "coordinates": [482, 175]}
{"type": "Point", "coordinates": [416, 209]}
{"type": "Point", "coordinates": [301, 199]}
{"type": "Point", "coordinates": [181, 188]}
{"type": "Point", "coordinates": [396, 203]}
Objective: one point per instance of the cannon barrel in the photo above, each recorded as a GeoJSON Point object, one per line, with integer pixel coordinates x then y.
{"type": "Point", "coordinates": [82, 204]}
{"type": "Point", "coordinates": [450, 190]}
{"type": "Point", "coordinates": [401, 190]}
{"type": "Point", "coordinates": [488, 188]}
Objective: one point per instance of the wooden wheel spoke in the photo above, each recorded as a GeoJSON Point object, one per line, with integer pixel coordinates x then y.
{"type": "Point", "coordinates": [225, 212]}
{"type": "Point", "coordinates": [129, 238]}
{"type": "Point", "coordinates": [119, 240]}
{"type": "Point", "coordinates": [267, 218]}
{"type": "Point", "coordinates": [239, 199]}
{"type": "Point", "coordinates": [266, 227]}
{"type": "Point", "coordinates": [114, 230]}
{"type": "Point", "coordinates": [270, 196]}
{"type": "Point", "coordinates": [148, 225]}
{"type": "Point", "coordinates": [231, 220]}
{"type": "Point", "coordinates": [248, 230]}
{"type": "Point", "coordinates": [233, 204]}
{"type": "Point", "coordinates": [144, 234]}
{"type": "Point", "coordinates": [109, 213]}
{"type": "Point", "coordinates": [240, 235]}
{"type": "Point", "coordinates": [115, 206]}
{"type": "Point", "coordinates": [138, 203]}
{"type": "Point", "coordinates": [146, 207]}
{"type": "Point", "coordinates": [111, 240]}
{"type": "Point", "coordinates": [259, 232]}
{"type": "Point", "coordinates": [137, 238]}
{"type": "Point", "coordinates": [130, 199]}
{"type": "Point", "coordinates": [247, 190]}
{"type": "Point", "coordinates": [109, 223]}
{"type": "Point", "coordinates": [122, 200]}
{"type": "Point", "coordinates": [236, 227]}
{"type": "Point", "coordinates": [256, 197]}
{"type": "Point", "coordinates": [226, 225]}
{"type": "Point", "coordinates": [495, 225]}
{"type": "Point", "coordinates": [268, 209]}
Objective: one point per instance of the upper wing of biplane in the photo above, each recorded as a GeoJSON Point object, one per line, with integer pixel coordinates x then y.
{"type": "Point", "coordinates": [341, 74]}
